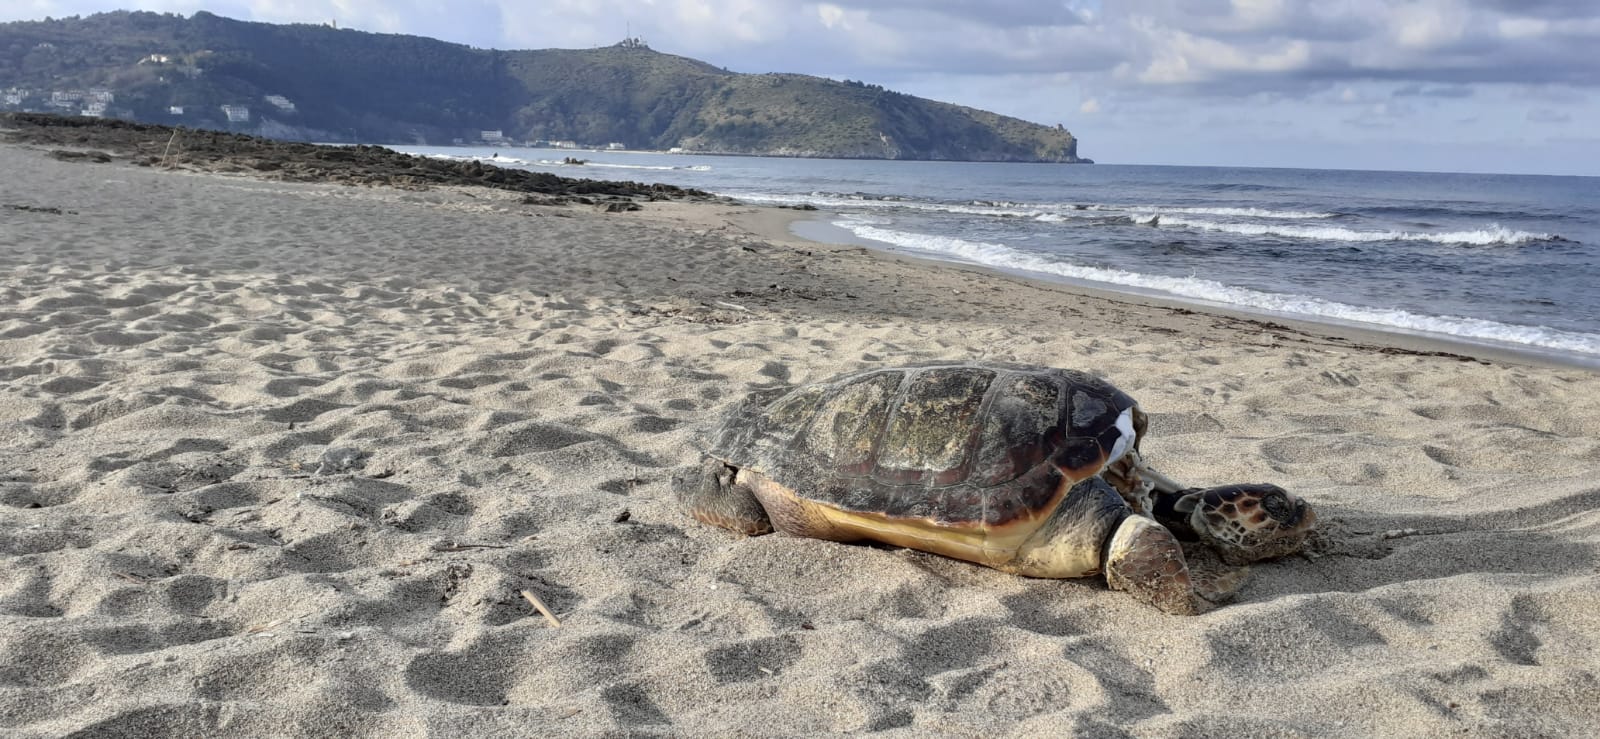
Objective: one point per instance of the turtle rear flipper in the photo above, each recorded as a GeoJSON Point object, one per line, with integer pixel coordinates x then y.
{"type": "Point", "coordinates": [1144, 560]}
{"type": "Point", "coordinates": [710, 495]}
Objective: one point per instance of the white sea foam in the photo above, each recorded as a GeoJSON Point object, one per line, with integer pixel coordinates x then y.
{"type": "Point", "coordinates": [1047, 212]}
{"type": "Point", "coordinates": [1147, 211]}
{"type": "Point", "coordinates": [1165, 217]}
{"type": "Point", "coordinates": [874, 202]}
{"type": "Point", "coordinates": [999, 255]}
{"type": "Point", "coordinates": [1298, 215]}
{"type": "Point", "coordinates": [1489, 235]}
{"type": "Point", "coordinates": [614, 165]}
{"type": "Point", "coordinates": [516, 161]}
{"type": "Point", "coordinates": [487, 160]}
{"type": "Point", "coordinates": [857, 201]}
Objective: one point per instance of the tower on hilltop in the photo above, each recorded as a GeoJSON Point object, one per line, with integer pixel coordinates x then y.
{"type": "Point", "coordinates": [630, 41]}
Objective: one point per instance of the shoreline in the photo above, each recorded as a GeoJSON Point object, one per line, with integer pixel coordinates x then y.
{"type": "Point", "coordinates": [778, 225]}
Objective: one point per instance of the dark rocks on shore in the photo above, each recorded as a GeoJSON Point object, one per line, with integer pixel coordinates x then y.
{"type": "Point", "coordinates": [91, 155]}
{"type": "Point", "coordinates": [216, 151]}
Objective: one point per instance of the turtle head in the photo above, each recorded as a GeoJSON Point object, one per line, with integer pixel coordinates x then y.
{"type": "Point", "coordinates": [1248, 523]}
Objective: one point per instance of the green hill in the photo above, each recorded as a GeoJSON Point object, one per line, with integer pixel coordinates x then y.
{"type": "Point", "coordinates": [320, 83]}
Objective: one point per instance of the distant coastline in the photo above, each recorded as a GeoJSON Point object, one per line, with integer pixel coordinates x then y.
{"type": "Point", "coordinates": [302, 82]}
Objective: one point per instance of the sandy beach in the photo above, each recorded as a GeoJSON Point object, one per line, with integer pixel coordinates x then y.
{"type": "Point", "coordinates": [279, 459]}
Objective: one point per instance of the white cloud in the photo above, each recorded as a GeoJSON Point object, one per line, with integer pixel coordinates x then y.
{"type": "Point", "coordinates": [833, 16]}
{"type": "Point", "coordinates": [1179, 57]}
{"type": "Point", "coordinates": [32, 10]}
{"type": "Point", "coordinates": [1522, 28]}
{"type": "Point", "coordinates": [1425, 26]}
{"type": "Point", "coordinates": [1259, 13]}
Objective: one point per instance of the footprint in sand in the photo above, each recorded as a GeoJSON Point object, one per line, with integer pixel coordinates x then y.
{"type": "Point", "coordinates": [755, 659]}
{"type": "Point", "coordinates": [141, 638]}
{"type": "Point", "coordinates": [302, 411]}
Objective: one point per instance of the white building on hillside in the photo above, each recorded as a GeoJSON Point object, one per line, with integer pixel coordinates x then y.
{"type": "Point", "coordinates": [237, 113]}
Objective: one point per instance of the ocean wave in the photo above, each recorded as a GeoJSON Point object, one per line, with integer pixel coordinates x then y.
{"type": "Point", "coordinates": [817, 199]}
{"type": "Point", "coordinates": [496, 160]}
{"type": "Point", "coordinates": [607, 165]}
{"type": "Point", "coordinates": [1147, 210]}
{"type": "Point", "coordinates": [1298, 215]}
{"type": "Point", "coordinates": [869, 202]}
{"type": "Point", "coordinates": [1493, 234]}
{"type": "Point", "coordinates": [1048, 212]}
{"type": "Point", "coordinates": [999, 255]}
{"type": "Point", "coordinates": [1237, 187]}
{"type": "Point", "coordinates": [880, 202]}
{"type": "Point", "coordinates": [1451, 211]}
{"type": "Point", "coordinates": [613, 165]}
{"type": "Point", "coordinates": [861, 196]}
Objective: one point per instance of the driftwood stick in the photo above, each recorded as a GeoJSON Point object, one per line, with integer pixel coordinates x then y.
{"type": "Point", "coordinates": [450, 546]}
{"type": "Point", "coordinates": [539, 604]}
{"type": "Point", "coordinates": [168, 150]}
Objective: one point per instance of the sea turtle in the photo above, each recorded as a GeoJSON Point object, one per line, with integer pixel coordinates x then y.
{"type": "Point", "coordinates": [1029, 470]}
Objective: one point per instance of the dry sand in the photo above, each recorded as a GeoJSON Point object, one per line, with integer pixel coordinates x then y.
{"type": "Point", "coordinates": [277, 459]}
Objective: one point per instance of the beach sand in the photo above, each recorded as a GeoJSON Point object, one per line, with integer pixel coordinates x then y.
{"type": "Point", "coordinates": [280, 458]}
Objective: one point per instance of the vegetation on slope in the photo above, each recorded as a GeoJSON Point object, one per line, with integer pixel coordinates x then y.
{"type": "Point", "coordinates": [355, 86]}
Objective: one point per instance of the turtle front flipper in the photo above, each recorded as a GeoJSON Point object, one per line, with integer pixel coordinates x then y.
{"type": "Point", "coordinates": [711, 495]}
{"type": "Point", "coordinates": [1144, 560]}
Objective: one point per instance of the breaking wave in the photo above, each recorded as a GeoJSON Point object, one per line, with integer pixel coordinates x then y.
{"type": "Point", "coordinates": [1298, 215]}
{"type": "Point", "coordinates": [1001, 256]}
{"type": "Point", "coordinates": [609, 165]}
{"type": "Point", "coordinates": [511, 161]}
{"type": "Point", "coordinates": [1494, 234]}
{"type": "Point", "coordinates": [1052, 212]}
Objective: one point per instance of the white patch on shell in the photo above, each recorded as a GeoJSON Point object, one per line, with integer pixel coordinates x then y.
{"type": "Point", "coordinates": [1125, 440]}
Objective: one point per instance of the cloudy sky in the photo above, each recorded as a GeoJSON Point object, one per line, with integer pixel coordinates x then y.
{"type": "Point", "coordinates": [1451, 85]}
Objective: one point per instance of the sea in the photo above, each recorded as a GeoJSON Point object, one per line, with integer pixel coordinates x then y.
{"type": "Point", "coordinates": [1506, 261]}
